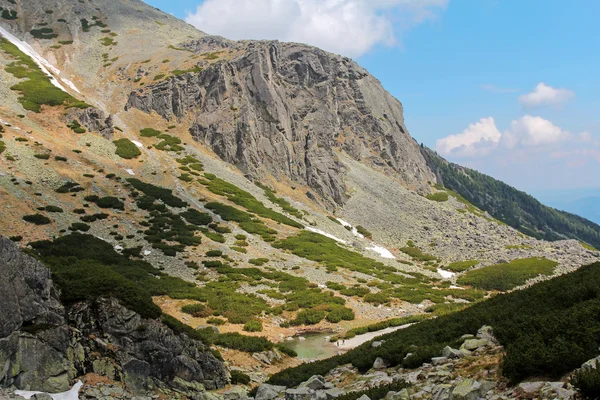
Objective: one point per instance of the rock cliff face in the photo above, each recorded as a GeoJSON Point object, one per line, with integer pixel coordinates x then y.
{"type": "Point", "coordinates": [287, 109]}
{"type": "Point", "coordinates": [45, 346]}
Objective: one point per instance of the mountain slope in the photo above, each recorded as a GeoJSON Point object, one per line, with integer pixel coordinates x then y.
{"type": "Point", "coordinates": [516, 208]}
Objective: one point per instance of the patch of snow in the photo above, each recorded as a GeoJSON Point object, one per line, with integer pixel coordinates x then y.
{"type": "Point", "coordinates": [329, 235]}
{"type": "Point", "coordinates": [456, 287]}
{"type": "Point", "coordinates": [445, 274]}
{"type": "Point", "coordinates": [138, 144]}
{"type": "Point", "coordinates": [72, 394]}
{"type": "Point", "coordinates": [41, 62]}
{"type": "Point", "coordinates": [147, 252]}
{"type": "Point", "coordinates": [382, 251]}
{"type": "Point", "coordinates": [130, 172]}
{"type": "Point", "coordinates": [118, 247]}
{"type": "Point", "coordinates": [71, 85]}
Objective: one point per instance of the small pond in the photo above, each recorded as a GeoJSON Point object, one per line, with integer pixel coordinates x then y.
{"type": "Point", "coordinates": [315, 346]}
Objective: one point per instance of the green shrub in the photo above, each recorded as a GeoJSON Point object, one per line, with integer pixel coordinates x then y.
{"type": "Point", "coordinates": [126, 149]}
{"type": "Point", "coordinates": [258, 261]}
{"type": "Point", "coordinates": [286, 350]}
{"type": "Point", "coordinates": [44, 156]}
{"type": "Point", "coordinates": [416, 254]}
{"type": "Point", "coordinates": [214, 253]}
{"type": "Point", "coordinates": [504, 277]}
{"type": "Point", "coordinates": [239, 378]}
{"type": "Point", "coordinates": [156, 192]}
{"type": "Point", "coordinates": [197, 310]}
{"type": "Point", "coordinates": [37, 219]}
{"type": "Point", "coordinates": [308, 317]}
{"type": "Point", "coordinates": [363, 231]}
{"type": "Point", "coordinates": [284, 204]}
{"type": "Point", "coordinates": [338, 314]}
{"type": "Point", "coordinates": [587, 381]}
{"type": "Point", "coordinates": [53, 209]}
{"type": "Point", "coordinates": [149, 132]}
{"type": "Point", "coordinates": [43, 33]}
{"type": "Point", "coordinates": [253, 326]}
{"type": "Point", "coordinates": [439, 196]}
{"type": "Point", "coordinates": [461, 266]}
{"type": "Point", "coordinates": [2, 146]}
{"type": "Point", "coordinates": [59, 158]}
{"type": "Point", "coordinates": [79, 226]}
{"type": "Point", "coordinates": [76, 127]}
{"type": "Point", "coordinates": [216, 321]}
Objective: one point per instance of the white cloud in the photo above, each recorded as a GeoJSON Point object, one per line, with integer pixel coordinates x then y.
{"type": "Point", "coordinates": [482, 137]}
{"type": "Point", "coordinates": [497, 89]}
{"type": "Point", "coordinates": [546, 95]}
{"type": "Point", "coordinates": [477, 140]}
{"type": "Point", "coordinates": [348, 27]}
{"type": "Point", "coordinates": [532, 131]}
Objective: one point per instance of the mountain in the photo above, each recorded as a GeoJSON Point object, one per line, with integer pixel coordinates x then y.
{"type": "Point", "coordinates": [225, 195]}
{"type": "Point", "coordinates": [516, 208]}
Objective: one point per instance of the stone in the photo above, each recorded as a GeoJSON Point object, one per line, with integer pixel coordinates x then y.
{"type": "Point", "coordinates": [439, 360]}
{"type": "Point", "coordinates": [376, 343]}
{"type": "Point", "coordinates": [591, 364]}
{"type": "Point", "coordinates": [315, 382]}
{"type": "Point", "coordinates": [442, 392]}
{"type": "Point", "coordinates": [449, 352]}
{"type": "Point", "coordinates": [473, 344]}
{"type": "Point", "coordinates": [104, 367]}
{"type": "Point", "coordinates": [486, 332]}
{"type": "Point", "coordinates": [364, 397]}
{"type": "Point", "coordinates": [529, 388]}
{"type": "Point", "coordinates": [235, 393]}
{"type": "Point", "coordinates": [380, 363]}
{"type": "Point", "coordinates": [302, 393]}
{"type": "Point", "coordinates": [268, 392]}
{"type": "Point", "coordinates": [467, 389]}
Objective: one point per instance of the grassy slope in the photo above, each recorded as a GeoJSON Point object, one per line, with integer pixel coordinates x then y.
{"type": "Point", "coordinates": [515, 208]}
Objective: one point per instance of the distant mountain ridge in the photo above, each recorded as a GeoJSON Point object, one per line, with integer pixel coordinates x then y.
{"type": "Point", "coordinates": [516, 208]}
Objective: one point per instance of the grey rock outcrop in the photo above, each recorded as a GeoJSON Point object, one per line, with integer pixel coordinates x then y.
{"type": "Point", "coordinates": [268, 392]}
{"type": "Point", "coordinates": [94, 120]}
{"type": "Point", "coordinates": [43, 346]}
{"type": "Point", "coordinates": [286, 109]}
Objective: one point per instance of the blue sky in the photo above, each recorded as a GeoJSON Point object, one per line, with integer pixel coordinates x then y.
{"type": "Point", "coordinates": [522, 74]}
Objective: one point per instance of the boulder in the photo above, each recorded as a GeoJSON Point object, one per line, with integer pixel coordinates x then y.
{"type": "Point", "coordinates": [235, 393]}
{"type": "Point", "coordinates": [333, 393]}
{"type": "Point", "coordinates": [449, 352]}
{"type": "Point", "coordinates": [380, 363]}
{"type": "Point", "coordinates": [442, 392]}
{"type": "Point", "coordinates": [268, 392]}
{"type": "Point", "coordinates": [401, 395]}
{"type": "Point", "coordinates": [376, 343]}
{"type": "Point", "coordinates": [473, 344]}
{"type": "Point", "coordinates": [529, 388]}
{"type": "Point", "coordinates": [591, 364]}
{"type": "Point", "coordinates": [468, 389]}
{"type": "Point", "coordinates": [486, 332]}
{"type": "Point", "coordinates": [315, 382]}
{"type": "Point", "coordinates": [439, 360]}
{"type": "Point", "coordinates": [364, 397]}
{"type": "Point", "coordinates": [302, 393]}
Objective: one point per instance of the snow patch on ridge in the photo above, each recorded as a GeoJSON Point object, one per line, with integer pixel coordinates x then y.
{"type": "Point", "coordinates": [138, 144]}
{"type": "Point", "coordinates": [382, 251]}
{"type": "Point", "coordinates": [72, 394]}
{"type": "Point", "coordinates": [445, 274]}
{"type": "Point", "coordinates": [41, 62]}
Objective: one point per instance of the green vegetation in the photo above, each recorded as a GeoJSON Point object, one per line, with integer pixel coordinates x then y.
{"type": "Point", "coordinates": [439, 196]}
{"type": "Point", "coordinates": [197, 310]}
{"type": "Point", "coordinates": [169, 143]}
{"type": "Point", "coordinates": [546, 330]}
{"type": "Point", "coordinates": [363, 231]}
{"type": "Point", "coordinates": [108, 41]}
{"type": "Point", "coordinates": [149, 132]}
{"type": "Point", "coordinates": [43, 33]}
{"type": "Point", "coordinates": [375, 393]}
{"type": "Point", "coordinates": [513, 207]}
{"type": "Point", "coordinates": [158, 193]}
{"type": "Point", "coordinates": [37, 219]}
{"type": "Point", "coordinates": [194, 70]}
{"type": "Point", "coordinates": [106, 202]}
{"type": "Point", "coordinates": [417, 254]}
{"type": "Point", "coordinates": [239, 378]}
{"type": "Point", "coordinates": [504, 277]}
{"type": "Point", "coordinates": [35, 88]}
{"type": "Point", "coordinates": [258, 261]}
{"type": "Point", "coordinates": [159, 77]}
{"type": "Point", "coordinates": [79, 226]}
{"type": "Point", "coordinates": [284, 204]}
{"type": "Point", "coordinates": [308, 317]}
{"type": "Point", "coordinates": [316, 247]}
{"type": "Point", "coordinates": [9, 14]}
{"type": "Point", "coordinates": [244, 219]}
{"type": "Point", "coordinates": [387, 324]}
{"type": "Point", "coordinates": [86, 26]}
{"type": "Point", "coordinates": [2, 146]}
{"type": "Point", "coordinates": [246, 200]}
{"type": "Point", "coordinates": [216, 321]}
{"type": "Point", "coordinates": [461, 266]}
{"type": "Point", "coordinates": [126, 149]}
{"type": "Point", "coordinates": [253, 325]}
{"type": "Point", "coordinates": [76, 127]}
{"type": "Point", "coordinates": [587, 381]}
{"type": "Point", "coordinates": [70, 187]}
{"type": "Point", "coordinates": [585, 245]}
